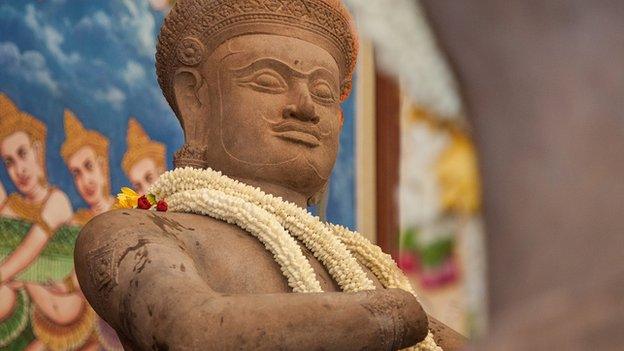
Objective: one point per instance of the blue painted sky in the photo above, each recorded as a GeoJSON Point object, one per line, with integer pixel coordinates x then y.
{"type": "Point", "coordinates": [96, 58]}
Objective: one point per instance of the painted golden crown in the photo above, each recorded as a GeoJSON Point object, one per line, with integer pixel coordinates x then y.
{"type": "Point", "coordinates": [140, 146]}
{"type": "Point", "coordinates": [13, 120]}
{"type": "Point", "coordinates": [325, 22]}
{"type": "Point", "coordinates": [77, 136]}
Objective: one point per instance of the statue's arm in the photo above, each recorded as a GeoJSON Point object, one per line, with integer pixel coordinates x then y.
{"type": "Point", "coordinates": [156, 298]}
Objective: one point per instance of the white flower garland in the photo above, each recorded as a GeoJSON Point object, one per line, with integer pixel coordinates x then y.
{"type": "Point", "coordinates": [270, 219]}
{"type": "Point", "coordinates": [258, 222]}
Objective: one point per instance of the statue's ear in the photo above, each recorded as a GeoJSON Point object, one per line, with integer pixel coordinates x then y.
{"type": "Point", "coordinates": [192, 98]}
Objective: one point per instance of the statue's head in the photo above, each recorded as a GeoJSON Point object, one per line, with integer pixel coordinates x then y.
{"type": "Point", "coordinates": [22, 146]}
{"type": "Point", "coordinates": [257, 86]}
{"type": "Point", "coordinates": [86, 154]}
{"type": "Point", "coordinates": [144, 159]}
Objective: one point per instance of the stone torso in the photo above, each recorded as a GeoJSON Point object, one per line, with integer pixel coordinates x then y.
{"type": "Point", "coordinates": [229, 259]}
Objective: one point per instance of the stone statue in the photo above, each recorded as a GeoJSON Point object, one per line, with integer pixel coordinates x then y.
{"type": "Point", "coordinates": [257, 87]}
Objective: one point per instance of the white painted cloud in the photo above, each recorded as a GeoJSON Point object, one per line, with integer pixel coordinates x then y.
{"type": "Point", "coordinates": [50, 36]}
{"type": "Point", "coordinates": [112, 96]}
{"type": "Point", "coordinates": [142, 23]}
{"type": "Point", "coordinates": [133, 73]}
{"type": "Point", "coordinates": [98, 19]}
{"type": "Point", "coordinates": [29, 65]}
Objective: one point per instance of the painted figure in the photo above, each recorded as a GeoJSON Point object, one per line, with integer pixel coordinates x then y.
{"type": "Point", "coordinates": [145, 159]}
{"type": "Point", "coordinates": [35, 245]}
{"type": "Point", "coordinates": [86, 154]}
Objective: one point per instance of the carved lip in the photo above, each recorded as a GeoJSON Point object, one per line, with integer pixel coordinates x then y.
{"type": "Point", "coordinates": [297, 132]}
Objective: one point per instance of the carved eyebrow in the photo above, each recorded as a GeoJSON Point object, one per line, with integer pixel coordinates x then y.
{"type": "Point", "coordinates": [281, 67]}
{"type": "Point", "coordinates": [278, 65]}
{"type": "Point", "coordinates": [324, 73]}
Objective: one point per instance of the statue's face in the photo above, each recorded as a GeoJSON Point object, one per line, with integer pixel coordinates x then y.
{"type": "Point", "coordinates": [275, 103]}
{"type": "Point", "coordinates": [22, 161]}
{"type": "Point", "coordinates": [87, 169]}
{"type": "Point", "coordinates": [143, 174]}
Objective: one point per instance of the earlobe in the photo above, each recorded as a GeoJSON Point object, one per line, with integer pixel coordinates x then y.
{"type": "Point", "coordinates": [191, 95]}
{"type": "Point", "coordinates": [187, 83]}
{"type": "Point", "coordinates": [341, 120]}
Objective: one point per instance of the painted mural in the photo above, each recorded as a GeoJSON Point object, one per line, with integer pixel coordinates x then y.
{"type": "Point", "coordinates": [81, 115]}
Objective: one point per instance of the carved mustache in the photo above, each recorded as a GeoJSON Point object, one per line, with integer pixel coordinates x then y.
{"type": "Point", "coordinates": [289, 125]}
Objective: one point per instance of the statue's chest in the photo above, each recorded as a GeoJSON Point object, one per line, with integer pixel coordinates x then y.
{"type": "Point", "coordinates": [233, 261]}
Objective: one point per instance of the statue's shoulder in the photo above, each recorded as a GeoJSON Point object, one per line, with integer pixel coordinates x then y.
{"type": "Point", "coordinates": [108, 228]}
{"type": "Point", "coordinates": [122, 228]}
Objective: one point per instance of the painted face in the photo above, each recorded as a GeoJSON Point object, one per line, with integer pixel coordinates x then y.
{"type": "Point", "coordinates": [21, 159]}
{"type": "Point", "coordinates": [279, 108]}
{"type": "Point", "coordinates": [86, 168]}
{"type": "Point", "coordinates": [143, 174]}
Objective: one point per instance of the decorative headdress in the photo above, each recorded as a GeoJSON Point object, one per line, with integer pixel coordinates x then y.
{"type": "Point", "coordinates": [77, 137]}
{"type": "Point", "coordinates": [140, 146]}
{"type": "Point", "coordinates": [13, 120]}
{"type": "Point", "coordinates": [194, 28]}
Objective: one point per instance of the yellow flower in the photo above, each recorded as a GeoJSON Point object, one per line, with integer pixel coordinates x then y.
{"type": "Point", "coordinates": [127, 198]}
{"type": "Point", "coordinates": [458, 174]}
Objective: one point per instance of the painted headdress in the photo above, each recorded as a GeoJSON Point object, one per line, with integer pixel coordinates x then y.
{"type": "Point", "coordinates": [140, 146]}
{"type": "Point", "coordinates": [77, 137]}
{"type": "Point", "coordinates": [194, 28]}
{"type": "Point", "coordinates": [14, 120]}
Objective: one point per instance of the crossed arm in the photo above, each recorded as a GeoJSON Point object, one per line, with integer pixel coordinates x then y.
{"type": "Point", "coordinates": [155, 304]}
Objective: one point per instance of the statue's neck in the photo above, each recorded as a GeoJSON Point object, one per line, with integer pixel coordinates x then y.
{"type": "Point", "coordinates": [285, 193]}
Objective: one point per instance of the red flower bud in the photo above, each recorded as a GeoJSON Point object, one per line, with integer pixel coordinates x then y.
{"type": "Point", "coordinates": [161, 206]}
{"type": "Point", "coordinates": [144, 203]}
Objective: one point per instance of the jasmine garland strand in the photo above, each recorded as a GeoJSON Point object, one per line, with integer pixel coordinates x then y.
{"type": "Point", "coordinates": [210, 193]}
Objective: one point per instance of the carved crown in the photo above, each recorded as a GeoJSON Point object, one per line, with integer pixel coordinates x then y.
{"type": "Point", "coordinates": [196, 27]}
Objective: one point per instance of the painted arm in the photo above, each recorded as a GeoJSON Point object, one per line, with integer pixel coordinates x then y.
{"type": "Point", "coordinates": [3, 195]}
{"type": "Point", "coordinates": [27, 251]}
{"type": "Point", "coordinates": [56, 212]}
{"type": "Point", "coordinates": [135, 283]}
{"type": "Point", "coordinates": [61, 307]}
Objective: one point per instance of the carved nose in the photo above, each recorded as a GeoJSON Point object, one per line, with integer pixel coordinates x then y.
{"type": "Point", "coordinates": [304, 110]}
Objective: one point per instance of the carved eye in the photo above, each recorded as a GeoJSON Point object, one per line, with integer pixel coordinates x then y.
{"type": "Point", "coordinates": [323, 91]}
{"type": "Point", "coordinates": [266, 81]}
